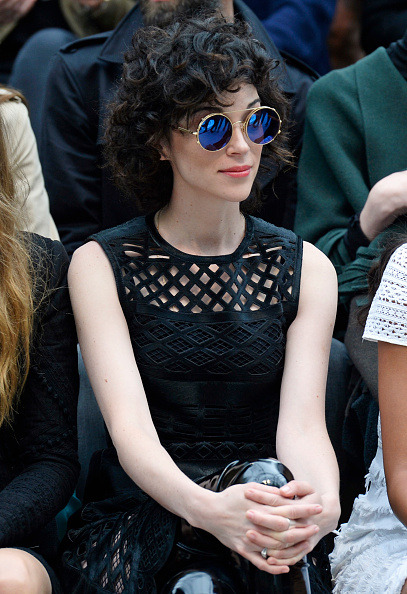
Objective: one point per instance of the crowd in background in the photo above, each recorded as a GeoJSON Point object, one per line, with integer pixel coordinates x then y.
{"type": "Point", "coordinates": [340, 67]}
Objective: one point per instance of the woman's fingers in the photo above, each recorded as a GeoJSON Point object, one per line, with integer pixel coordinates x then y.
{"type": "Point", "coordinates": [258, 540]}
{"type": "Point", "coordinates": [284, 539]}
{"type": "Point", "coordinates": [297, 489]}
{"type": "Point", "coordinates": [277, 518]}
{"type": "Point", "coordinates": [277, 497]}
{"type": "Point", "coordinates": [274, 561]}
{"type": "Point", "coordinates": [263, 564]}
{"type": "Point", "coordinates": [265, 495]}
{"type": "Point", "coordinates": [287, 555]}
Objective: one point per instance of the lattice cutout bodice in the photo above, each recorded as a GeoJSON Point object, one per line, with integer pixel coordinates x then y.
{"type": "Point", "coordinates": [387, 320]}
{"type": "Point", "coordinates": [185, 312]}
{"type": "Point", "coordinates": [208, 333]}
{"type": "Point", "coordinates": [260, 278]}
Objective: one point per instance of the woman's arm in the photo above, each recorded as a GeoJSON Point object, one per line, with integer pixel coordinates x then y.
{"type": "Point", "coordinates": [393, 414]}
{"type": "Point", "coordinates": [302, 438]}
{"type": "Point", "coordinates": [109, 359]}
{"type": "Point", "coordinates": [303, 444]}
{"type": "Point", "coordinates": [42, 439]}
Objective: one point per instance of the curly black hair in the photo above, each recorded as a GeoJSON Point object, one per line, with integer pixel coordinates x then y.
{"type": "Point", "coordinates": [167, 75]}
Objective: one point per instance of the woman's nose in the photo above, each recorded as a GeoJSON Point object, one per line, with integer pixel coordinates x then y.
{"type": "Point", "coordinates": [239, 141]}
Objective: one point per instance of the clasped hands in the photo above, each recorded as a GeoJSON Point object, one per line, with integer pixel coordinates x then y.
{"type": "Point", "coordinates": [286, 526]}
{"type": "Point", "coordinates": [251, 517]}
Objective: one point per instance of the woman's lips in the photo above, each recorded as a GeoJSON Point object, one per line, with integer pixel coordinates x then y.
{"type": "Point", "coordinates": [241, 171]}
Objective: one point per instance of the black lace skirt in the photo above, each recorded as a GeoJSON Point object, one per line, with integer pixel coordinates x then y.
{"type": "Point", "coordinates": [121, 543]}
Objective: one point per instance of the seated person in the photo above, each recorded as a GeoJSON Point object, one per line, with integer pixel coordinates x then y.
{"type": "Point", "coordinates": [25, 165]}
{"type": "Point", "coordinates": [29, 42]}
{"type": "Point", "coordinates": [352, 167]}
{"type": "Point", "coordinates": [38, 379]}
{"type": "Point", "coordinates": [20, 20]}
{"type": "Point", "coordinates": [353, 186]}
{"type": "Point", "coordinates": [83, 77]}
{"type": "Point", "coordinates": [213, 328]}
{"type": "Point", "coordinates": [376, 534]}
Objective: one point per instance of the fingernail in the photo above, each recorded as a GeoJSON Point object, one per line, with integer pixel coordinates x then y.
{"type": "Point", "coordinates": [286, 489]}
{"type": "Point", "coordinates": [316, 529]}
{"type": "Point", "coordinates": [286, 570]}
{"type": "Point", "coordinates": [250, 515]}
{"type": "Point", "coordinates": [318, 507]}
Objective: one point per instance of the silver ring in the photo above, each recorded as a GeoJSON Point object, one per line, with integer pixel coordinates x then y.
{"type": "Point", "coordinates": [264, 554]}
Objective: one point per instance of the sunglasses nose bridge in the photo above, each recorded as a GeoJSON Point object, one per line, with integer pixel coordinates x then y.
{"type": "Point", "coordinates": [242, 125]}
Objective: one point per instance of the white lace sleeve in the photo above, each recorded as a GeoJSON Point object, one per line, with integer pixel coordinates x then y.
{"type": "Point", "coordinates": [387, 319]}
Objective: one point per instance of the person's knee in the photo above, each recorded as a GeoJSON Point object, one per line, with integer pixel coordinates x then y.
{"type": "Point", "coordinates": [21, 573]}
{"type": "Point", "coordinates": [51, 38]}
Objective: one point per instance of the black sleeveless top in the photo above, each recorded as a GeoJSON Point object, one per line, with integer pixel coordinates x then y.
{"type": "Point", "coordinates": [209, 335]}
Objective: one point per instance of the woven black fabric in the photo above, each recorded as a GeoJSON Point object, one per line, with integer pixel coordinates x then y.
{"type": "Point", "coordinates": [120, 548]}
{"type": "Point", "coordinates": [209, 336]}
{"type": "Point", "coordinates": [38, 460]}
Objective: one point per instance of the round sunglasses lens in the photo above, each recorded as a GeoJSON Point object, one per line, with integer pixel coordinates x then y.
{"type": "Point", "coordinates": [215, 132]}
{"type": "Point", "coordinates": [263, 126]}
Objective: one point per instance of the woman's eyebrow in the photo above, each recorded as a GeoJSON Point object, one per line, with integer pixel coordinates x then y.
{"type": "Point", "coordinates": [253, 103]}
{"type": "Point", "coordinates": [209, 108]}
{"type": "Point", "coordinates": [220, 109]}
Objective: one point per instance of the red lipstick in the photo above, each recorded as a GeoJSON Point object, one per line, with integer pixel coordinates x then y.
{"type": "Point", "coordinates": [238, 171]}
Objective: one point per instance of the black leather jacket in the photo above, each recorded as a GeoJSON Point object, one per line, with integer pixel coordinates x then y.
{"type": "Point", "coordinates": [82, 80]}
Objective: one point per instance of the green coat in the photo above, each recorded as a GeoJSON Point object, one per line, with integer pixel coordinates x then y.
{"type": "Point", "coordinates": [355, 134]}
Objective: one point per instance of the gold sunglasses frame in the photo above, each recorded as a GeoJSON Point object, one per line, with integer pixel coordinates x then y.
{"type": "Point", "coordinates": [243, 125]}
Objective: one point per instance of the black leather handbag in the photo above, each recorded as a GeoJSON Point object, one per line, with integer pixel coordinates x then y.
{"type": "Point", "coordinates": [200, 564]}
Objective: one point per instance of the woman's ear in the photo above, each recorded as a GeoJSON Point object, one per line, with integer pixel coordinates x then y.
{"type": "Point", "coordinates": [164, 150]}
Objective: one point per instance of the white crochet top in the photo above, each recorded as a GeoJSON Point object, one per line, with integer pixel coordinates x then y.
{"type": "Point", "coordinates": [387, 319]}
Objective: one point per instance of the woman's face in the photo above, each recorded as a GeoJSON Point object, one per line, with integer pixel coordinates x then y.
{"type": "Point", "coordinates": [224, 175]}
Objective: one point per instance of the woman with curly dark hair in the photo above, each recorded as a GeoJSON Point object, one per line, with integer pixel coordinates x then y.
{"type": "Point", "coordinates": [205, 333]}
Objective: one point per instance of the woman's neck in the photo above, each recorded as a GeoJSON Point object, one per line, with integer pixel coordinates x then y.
{"type": "Point", "coordinates": [201, 230]}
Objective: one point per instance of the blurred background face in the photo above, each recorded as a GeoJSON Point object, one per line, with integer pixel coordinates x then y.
{"type": "Point", "coordinates": [163, 12]}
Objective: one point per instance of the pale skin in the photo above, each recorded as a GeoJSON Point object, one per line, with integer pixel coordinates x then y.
{"type": "Point", "coordinates": [203, 217]}
{"type": "Point", "coordinates": [386, 201]}
{"type": "Point", "coordinates": [393, 414]}
{"type": "Point", "coordinates": [21, 573]}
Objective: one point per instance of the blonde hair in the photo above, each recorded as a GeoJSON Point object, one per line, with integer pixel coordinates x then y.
{"type": "Point", "coordinates": [16, 288]}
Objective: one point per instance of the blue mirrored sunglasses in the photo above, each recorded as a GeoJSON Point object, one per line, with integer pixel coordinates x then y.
{"type": "Point", "coordinates": [215, 130]}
